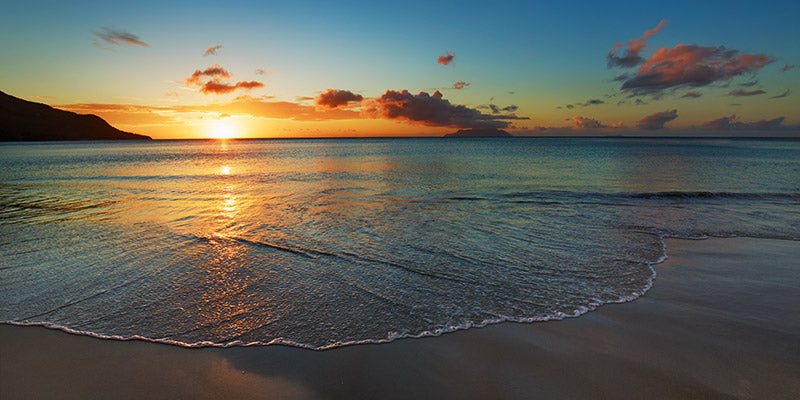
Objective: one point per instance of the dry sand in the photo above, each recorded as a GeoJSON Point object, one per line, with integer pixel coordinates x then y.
{"type": "Point", "coordinates": [722, 321]}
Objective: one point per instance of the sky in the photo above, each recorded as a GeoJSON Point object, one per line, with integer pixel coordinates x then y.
{"type": "Point", "coordinates": [326, 69]}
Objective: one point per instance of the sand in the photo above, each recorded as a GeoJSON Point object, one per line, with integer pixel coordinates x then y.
{"type": "Point", "coordinates": [722, 321]}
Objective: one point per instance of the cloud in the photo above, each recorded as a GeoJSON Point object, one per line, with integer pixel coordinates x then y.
{"type": "Point", "coordinates": [212, 50]}
{"type": "Point", "coordinates": [784, 94]}
{"type": "Point", "coordinates": [496, 109]}
{"type": "Point", "coordinates": [569, 106]}
{"type": "Point", "coordinates": [460, 85]}
{"type": "Point", "coordinates": [431, 110]}
{"type": "Point", "coordinates": [586, 123]}
{"type": "Point", "coordinates": [119, 38]}
{"type": "Point", "coordinates": [447, 58]}
{"type": "Point", "coordinates": [691, 95]}
{"type": "Point", "coordinates": [730, 123]}
{"type": "Point", "coordinates": [749, 84]}
{"type": "Point", "coordinates": [630, 56]}
{"type": "Point", "coordinates": [216, 87]}
{"type": "Point", "coordinates": [336, 98]}
{"type": "Point", "coordinates": [657, 120]}
{"type": "Point", "coordinates": [788, 67]}
{"type": "Point", "coordinates": [217, 83]}
{"type": "Point", "coordinates": [740, 92]}
{"type": "Point", "coordinates": [214, 72]}
{"type": "Point", "coordinates": [262, 71]}
{"type": "Point", "coordinates": [692, 66]}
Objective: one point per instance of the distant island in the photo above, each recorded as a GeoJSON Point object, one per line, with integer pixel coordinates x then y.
{"type": "Point", "coordinates": [489, 132]}
{"type": "Point", "coordinates": [22, 120]}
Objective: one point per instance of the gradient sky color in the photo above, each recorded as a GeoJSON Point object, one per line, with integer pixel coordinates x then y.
{"type": "Point", "coordinates": [532, 68]}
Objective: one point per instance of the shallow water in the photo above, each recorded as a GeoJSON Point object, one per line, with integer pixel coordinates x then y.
{"type": "Point", "coordinates": [320, 243]}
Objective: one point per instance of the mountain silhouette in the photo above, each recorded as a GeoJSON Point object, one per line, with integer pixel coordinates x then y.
{"type": "Point", "coordinates": [22, 120]}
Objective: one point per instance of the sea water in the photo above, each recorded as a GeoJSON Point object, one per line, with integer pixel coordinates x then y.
{"type": "Point", "coordinates": [322, 243]}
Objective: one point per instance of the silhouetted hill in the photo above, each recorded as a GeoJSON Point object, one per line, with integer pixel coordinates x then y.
{"type": "Point", "coordinates": [26, 120]}
{"type": "Point", "coordinates": [480, 133]}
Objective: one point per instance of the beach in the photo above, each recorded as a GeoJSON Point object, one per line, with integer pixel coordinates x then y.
{"type": "Point", "coordinates": [721, 321]}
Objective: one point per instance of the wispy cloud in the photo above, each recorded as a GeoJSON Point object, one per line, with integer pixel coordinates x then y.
{"type": "Point", "coordinates": [691, 95]}
{"type": "Point", "coordinates": [782, 95]}
{"type": "Point", "coordinates": [630, 55]}
{"type": "Point", "coordinates": [332, 98]}
{"type": "Point", "coordinates": [657, 120]}
{"type": "Point", "coordinates": [119, 38]}
{"type": "Point", "coordinates": [262, 71]}
{"type": "Point", "coordinates": [212, 50]}
{"type": "Point", "coordinates": [215, 87]}
{"type": "Point", "coordinates": [460, 85]}
{"type": "Point", "coordinates": [741, 92]}
{"type": "Point", "coordinates": [431, 110]}
{"type": "Point", "coordinates": [447, 58]}
{"type": "Point", "coordinates": [731, 123]}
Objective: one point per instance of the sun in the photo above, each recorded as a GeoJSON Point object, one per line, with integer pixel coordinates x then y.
{"type": "Point", "coordinates": [223, 129]}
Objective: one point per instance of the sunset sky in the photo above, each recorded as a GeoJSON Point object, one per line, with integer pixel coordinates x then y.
{"type": "Point", "coordinates": [300, 69]}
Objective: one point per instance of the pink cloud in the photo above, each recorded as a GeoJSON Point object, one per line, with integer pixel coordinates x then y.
{"type": "Point", "coordinates": [630, 56]}
{"type": "Point", "coordinates": [657, 120]}
{"type": "Point", "coordinates": [460, 85]}
{"type": "Point", "coordinates": [730, 123]}
{"type": "Point", "coordinates": [692, 66]}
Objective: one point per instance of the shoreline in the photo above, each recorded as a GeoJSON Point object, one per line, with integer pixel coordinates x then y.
{"type": "Point", "coordinates": [720, 321]}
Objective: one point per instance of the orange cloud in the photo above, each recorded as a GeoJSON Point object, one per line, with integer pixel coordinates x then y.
{"type": "Point", "coordinates": [216, 87]}
{"type": "Point", "coordinates": [460, 85]}
{"type": "Point", "coordinates": [214, 71]}
{"type": "Point", "coordinates": [631, 57]}
{"type": "Point", "coordinates": [657, 120]}
{"type": "Point", "coordinates": [336, 98]}
{"type": "Point", "coordinates": [446, 59]}
{"type": "Point", "coordinates": [212, 50]}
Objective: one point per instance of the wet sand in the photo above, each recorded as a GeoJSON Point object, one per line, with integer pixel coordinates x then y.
{"type": "Point", "coordinates": [722, 321]}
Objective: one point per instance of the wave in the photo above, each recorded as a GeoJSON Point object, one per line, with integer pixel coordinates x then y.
{"type": "Point", "coordinates": [714, 195]}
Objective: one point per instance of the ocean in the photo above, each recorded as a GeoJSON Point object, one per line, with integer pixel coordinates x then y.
{"type": "Point", "coordinates": [320, 243]}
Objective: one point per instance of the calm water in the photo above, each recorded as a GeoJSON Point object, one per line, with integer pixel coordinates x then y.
{"type": "Point", "coordinates": [320, 243]}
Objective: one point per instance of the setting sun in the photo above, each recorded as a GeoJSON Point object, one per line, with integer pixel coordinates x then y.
{"type": "Point", "coordinates": [223, 129]}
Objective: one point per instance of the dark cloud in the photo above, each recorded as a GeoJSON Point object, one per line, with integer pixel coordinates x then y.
{"type": "Point", "coordinates": [332, 98]}
{"type": "Point", "coordinates": [657, 120]}
{"type": "Point", "coordinates": [691, 95]}
{"type": "Point", "coordinates": [217, 81]}
{"type": "Point", "coordinates": [692, 66]}
{"type": "Point", "coordinates": [446, 59]}
{"type": "Point", "coordinates": [741, 92]}
{"type": "Point", "coordinates": [788, 67]}
{"type": "Point", "coordinates": [784, 94]}
{"type": "Point", "coordinates": [640, 102]}
{"type": "Point", "coordinates": [212, 50]}
{"type": "Point", "coordinates": [730, 123]}
{"type": "Point", "coordinates": [119, 38]}
{"type": "Point", "coordinates": [431, 110]}
{"type": "Point", "coordinates": [569, 106]}
{"type": "Point", "coordinates": [630, 56]}
{"type": "Point", "coordinates": [749, 84]}
{"type": "Point", "coordinates": [460, 85]}
{"type": "Point", "coordinates": [214, 72]}
{"type": "Point", "coordinates": [586, 123]}
{"type": "Point", "coordinates": [216, 87]}
{"type": "Point", "coordinates": [510, 108]}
